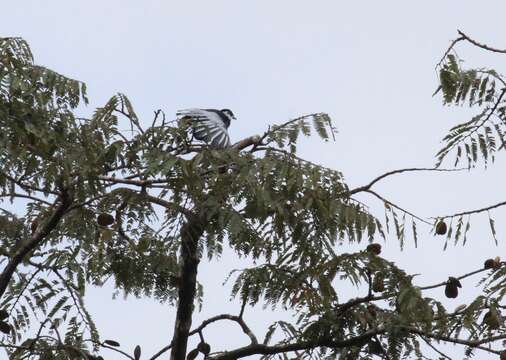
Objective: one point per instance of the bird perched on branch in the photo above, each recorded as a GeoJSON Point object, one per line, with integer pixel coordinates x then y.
{"type": "Point", "coordinates": [209, 125]}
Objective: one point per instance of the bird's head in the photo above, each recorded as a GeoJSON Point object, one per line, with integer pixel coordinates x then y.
{"type": "Point", "coordinates": [228, 113]}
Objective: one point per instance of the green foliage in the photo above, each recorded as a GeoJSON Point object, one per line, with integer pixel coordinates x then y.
{"type": "Point", "coordinates": [482, 136]}
{"type": "Point", "coordinates": [290, 216]}
{"type": "Point", "coordinates": [267, 207]}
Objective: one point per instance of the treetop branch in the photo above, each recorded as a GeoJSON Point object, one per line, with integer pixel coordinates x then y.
{"type": "Point", "coordinates": [398, 171]}
{"type": "Point", "coordinates": [480, 45]}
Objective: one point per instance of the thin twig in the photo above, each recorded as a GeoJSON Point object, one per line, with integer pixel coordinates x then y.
{"type": "Point", "coordinates": [480, 45]}
{"type": "Point", "coordinates": [398, 171]}
{"type": "Point", "coordinates": [434, 348]}
{"type": "Point", "coordinates": [398, 207]}
{"type": "Point", "coordinates": [476, 211]}
{"type": "Point", "coordinates": [450, 48]}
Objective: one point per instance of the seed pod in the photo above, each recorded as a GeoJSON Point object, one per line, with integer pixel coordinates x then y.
{"type": "Point", "coordinates": [492, 263]}
{"type": "Point", "coordinates": [452, 287]}
{"type": "Point", "coordinates": [489, 264]}
{"type": "Point", "coordinates": [451, 291]}
{"type": "Point", "coordinates": [192, 354]}
{"type": "Point", "coordinates": [112, 343]}
{"type": "Point", "coordinates": [204, 348]}
{"type": "Point", "coordinates": [441, 227]}
{"type": "Point", "coordinates": [378, 283]}
{"type": "Point", "coordinates": [105, 219]}
{"type": "Point", "coordinates": [374, 248]}
{"type": "Point", "coordinates": [5, 328]}
{"type": "Point", "coordinates": [3, 314]}
{"type": "Point", "coordinates": [137, 352]}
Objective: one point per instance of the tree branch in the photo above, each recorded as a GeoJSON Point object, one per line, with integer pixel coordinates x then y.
{"type": "Point", "coordinates": [262, 349]}
{"type": "Point", "coordinates": [476, 211]}
{"type": "Point", "coordinates": [398, 207]}
{"type": "Point", "coordinates": [244, 143]}
{"type": "Point", "coordinates": [17, 195]}
{"type": "Point", "coordinates": [471, 343]}
{"type": "Point", "coordinates": [209, 321]}
{"type": "Point", "coordinates": [480, 45]}
{"type": "Point", "coordinates": [394, 172]}
{"type": "Point", "coordinates": [237, 319]}
{"type": "Point", "coordinates": [61, 204]}
{"type": "Point", "coordinates": [450, 48]}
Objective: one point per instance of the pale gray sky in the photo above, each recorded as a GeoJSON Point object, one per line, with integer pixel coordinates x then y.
{"type": "Point", "coordinates": [369, 64]}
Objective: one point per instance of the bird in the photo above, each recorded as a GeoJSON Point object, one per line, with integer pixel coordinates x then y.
{"type": "Point", "coordinates": [209, 125]}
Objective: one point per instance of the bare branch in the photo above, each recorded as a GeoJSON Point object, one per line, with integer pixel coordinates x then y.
{"type": "Point", "coordinates": [398, 207]}
{"type": "Point", "coordinates": [464, 37]}
{"type": "Point", "coordinates": [471, 343]}
{"type": "Point", "coordinates": [476, 211]}
{"type": "Point", "coordinates": [262, 349]}
{"type": "Point", "coordinates": [117, 350]}
{"type": "Point", "coordinates": [434, 348]}
{"type": "Point", "coordinates": [458, 278]}
{"type": "Point", "coordinates": [24, 196]}
{"type": "Point", "coordinates": [480, 45]}
{"type": "Point", "coordinates": [398, 171]}
{"type": "Point", "coordinates": [237, 319]}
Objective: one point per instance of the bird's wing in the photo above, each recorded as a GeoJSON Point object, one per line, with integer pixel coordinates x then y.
{"type": "Point", "coordinates": [207, 126]}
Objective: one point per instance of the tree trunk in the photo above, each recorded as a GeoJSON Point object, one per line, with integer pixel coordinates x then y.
{"type": "Point", "coordinates": [190, 235]}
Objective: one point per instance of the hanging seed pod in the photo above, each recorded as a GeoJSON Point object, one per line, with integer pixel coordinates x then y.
{"type": "Point", "coordinates": [3, 314]}
{"type": "Point", "coordinates": [489, 264]}
{"type": "Point", "coordinates": [105, 219]}
{"type": "Point", "coordinates": [204, 348]}
{"type": "Point", "coordinates": [5, 328]}
{"type": "Point", "coordinates": [441, 227]}
{"type": "Point", "coordinates": [192, 354]}
{"type": "Point", "coordinates": [137, 352]}
{"type": "Point", "coordinates": [452, 287]}
{"type": "Point", "coordinates": [374, 248]}
{"type": "Point", "coordinates": [492, 263]}
{"type": "Point", "coordinates": [111, 343]}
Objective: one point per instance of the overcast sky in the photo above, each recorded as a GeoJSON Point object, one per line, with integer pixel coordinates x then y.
{"type": "Point", "coordinates": [369, 64]}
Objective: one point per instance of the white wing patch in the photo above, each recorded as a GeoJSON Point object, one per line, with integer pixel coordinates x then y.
{"type": "Point", "coordinates": [207, 126]}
